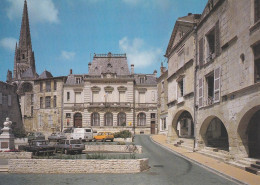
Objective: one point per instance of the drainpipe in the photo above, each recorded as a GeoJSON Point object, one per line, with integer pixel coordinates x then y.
{"type": "Point", "coordinates": [62, 94]}
{"type": "Point", "coordinates": [195, 85]}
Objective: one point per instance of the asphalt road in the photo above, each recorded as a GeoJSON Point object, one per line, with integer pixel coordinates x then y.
{"type": "Point", "coordinates": [166, 169]}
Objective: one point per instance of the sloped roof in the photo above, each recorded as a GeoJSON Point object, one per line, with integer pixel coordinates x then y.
{"type": "Point", "coordinates": [109, 63]}
{"type": "Point", "coordinates": [149, 79]}
{"type": "Point", "coordinates": [71, 80]}
{"type": "Point", "coordinates": [28, 73]}
{"type": "Point", "coordinates": [45, 74]}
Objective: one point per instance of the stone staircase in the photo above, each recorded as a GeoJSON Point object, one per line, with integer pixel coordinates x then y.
{"type": "Point", "coordinates": [3, 168]}
{"type": "Point", "coordinates": [254, 168]}
{"type": "Point", "coordinates": [215, 153]}
{"type": "Point", "coordinates": [186, 143]}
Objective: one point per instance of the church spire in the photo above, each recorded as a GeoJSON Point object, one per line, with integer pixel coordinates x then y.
{"type": "Point", "coordinates": [25, 36]}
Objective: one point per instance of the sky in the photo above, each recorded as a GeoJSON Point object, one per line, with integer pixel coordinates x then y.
{"type": "Point", "coordinates": [66, 34]}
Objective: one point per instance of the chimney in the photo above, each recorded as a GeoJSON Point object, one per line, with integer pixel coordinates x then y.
{"type": "Point", "coordinates": [155, 73]}
{"type": "Point", "coordinates": [132, 69]}
{"type": "Point", "coordinates": [89, 65]}
{"type": "Point", "coordinates": [162, 69]}
{"type": "Point", "coordinates": [189, 14]}
{"type": "Point", "coordinates": [70, 71]}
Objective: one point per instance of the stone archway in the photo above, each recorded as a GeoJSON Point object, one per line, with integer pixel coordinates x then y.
{"type": "Point", "coordinates": [249, 132]}
{"type": "Point", "coordinates": [185, 126]}
{"type": "Point", "coordinates": [78, 120]}
{"type": "Point", "coordinates": [214, 133]}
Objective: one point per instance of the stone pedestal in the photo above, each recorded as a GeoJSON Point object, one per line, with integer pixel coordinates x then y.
{"type": "Point", "coordinates": [7, 138]}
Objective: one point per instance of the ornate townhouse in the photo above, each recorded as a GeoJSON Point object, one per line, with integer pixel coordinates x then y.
{"type": "Point", "coordinates": [162, 88]}
{"type": "Point", "coordinates": [214, 79]}
{"type": "Point", "coordinates": [181, 72]}
{"type": "Point", "coordinates": [110, 97]}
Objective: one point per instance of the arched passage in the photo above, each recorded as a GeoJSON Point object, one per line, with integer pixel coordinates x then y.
{"type": "Point", "coordinates": [184, 126]}
{"type": "Point", "coordinates": [78, 120]}
{"type": "Point", "coordinates": [214, 133]}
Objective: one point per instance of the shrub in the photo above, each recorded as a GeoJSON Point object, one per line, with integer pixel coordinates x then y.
{"type": "Point", "coordinates": [123, 134]}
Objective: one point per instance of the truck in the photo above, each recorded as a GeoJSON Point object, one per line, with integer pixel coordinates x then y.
{"type": "Point", "coordinates": [85, 134]}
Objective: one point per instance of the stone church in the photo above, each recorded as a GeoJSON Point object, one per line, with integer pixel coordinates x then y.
{"type": "Point", "coordinates": [109, 97]}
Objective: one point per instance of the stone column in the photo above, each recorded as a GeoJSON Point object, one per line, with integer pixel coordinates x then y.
{"type": "Point", "coordinates": [7, 138]}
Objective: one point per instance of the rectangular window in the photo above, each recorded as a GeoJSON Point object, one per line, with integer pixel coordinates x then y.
{"type": "Point", "coordinates": [47, 102]}
{"type": "Point", "coordinates": [31, 111]}
{"type": "Point", "coordinates": [181, 58]}
{"type": "Point", "coordinates": [41, 86]}
{"type": "Point", "coordinates": [9, 100]}
{"type": "Point", "coordinates": [122, 97]}
{"type": "Point", "coordinates": [5, 101]}
{"type": "Point", "coordinates": [55, 85]}
{"type": "Point", "coordinates": [257, 10]}
{"type": "Point", "coordinates": [68, 96]}
{"type": "Point", "coordinates": [48, 86]}
{"type": "Point", "coordinates": [55, 101]}
{"type": "Point", "coordinates": [68, 115]}
{"type": "Point", "coordinates": [1, 98]}
{"type": "Point", "coordinates": [141, 97]}
{"type": "Point", "coordinates": [152, 115]}
{"type": "Point", "coordinates": [95, 96]}
{"type": "Point", "coordinates": [41, 102]}
{"type": "Point", "coordinates": [78, 97]}
{"type": "Point", "coordinates": [162, 86]}
{"type": "Point", "coordinates": [210, 88]}
{"type": "Point", "coordinates": [32, 99]}
{"type": "Point", "coordinates": [141, 80]}
{"type": "Point", "coordinates": [257, 62]}
{"type": "Point", "coordinates": [210, 45]}
{"type": "Point", "coordinates": [78, 80]}
{"type": "Point", "coordinates": [180, 88]}
{"type": "Point", "coordinates": [50, 122]}
{"type": "Point", "coordinates": [39, 120]}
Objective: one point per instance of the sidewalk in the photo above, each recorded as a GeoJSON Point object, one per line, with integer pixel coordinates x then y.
{"type": "Point", "coordinates": [221, 167]}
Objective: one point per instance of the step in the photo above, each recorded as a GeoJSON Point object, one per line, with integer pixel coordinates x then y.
{"type": "Point", "coordinates": [253, 170]}
{"type": "Point", "coordinates": [238, 165]}
{"type": "Point", "coordinates": [213, 155]}
{"type": "Point", "coordinates": [246, 161]}
{"type": "Point", "coordinates": [257, 166]}
{"type": "Point", "coordinates": [3, 168]}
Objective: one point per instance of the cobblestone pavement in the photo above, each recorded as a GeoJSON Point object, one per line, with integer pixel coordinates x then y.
{"type": "Point", "coordinates": [166, 169]}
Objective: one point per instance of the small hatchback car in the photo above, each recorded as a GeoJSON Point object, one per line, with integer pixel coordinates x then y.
{"type": "Point", "coordinates": [104, 136]}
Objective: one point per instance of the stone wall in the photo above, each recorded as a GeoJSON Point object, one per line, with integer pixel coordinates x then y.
{"type": "Point", "coordinates": [113, 148]}
{"type": "Point", "coordinates": [15, 155]}
{"type": "Point", "coordinates": [77, 166]}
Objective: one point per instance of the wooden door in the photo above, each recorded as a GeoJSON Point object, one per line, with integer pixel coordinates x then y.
{"type": "Point", "coordinates": [78, 120]}
{"type": "Point", "coordinates": [152, 127]}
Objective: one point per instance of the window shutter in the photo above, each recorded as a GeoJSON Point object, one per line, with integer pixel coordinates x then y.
{"type": "Point", "coordinates": [184, 87]}
{"type": "Point", "coordinates": [217, 74]}
{"type": "Point", "coordinates": [217, 39]}
{"type": "Point", "coordinates": [201, 52]}
{"type": "Point", "coordinates": [1, 99]}
{"type": "Point", "coordinates": [9, 100]}
{"type": "Point", "coordinates": [200, 92]}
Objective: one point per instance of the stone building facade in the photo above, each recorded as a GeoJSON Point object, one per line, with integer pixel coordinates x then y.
{"type": "Point", "coordinates": [226, 110]}
{"type": "Point", "coordinates": [181, 72]}
{"type": "Point", "coordinates": [9, 106]}
{"type": "Point", "coordinates": [162, 108]}
{"type": "Point", "coordinates": [110, 98]}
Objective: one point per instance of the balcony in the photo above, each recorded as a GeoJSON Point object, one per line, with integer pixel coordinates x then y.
{"type": "Point", "coordinates": [110, 104]}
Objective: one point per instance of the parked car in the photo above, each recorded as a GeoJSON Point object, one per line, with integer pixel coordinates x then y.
{"type": "Point", "coordinates": [57, 136]}
{"type": "Point", "coordinates": [69, 146]}
{"type": "Point", "coordinates": [39, 147]}
{"type": "Point", "coordinates": [104, 136]}
{"type": "Point", "coordinates": [86, 134]}
{"type": "Point", "coordinates": [35, 136]}
{"type": "Point", "coordinates": [68, 130]}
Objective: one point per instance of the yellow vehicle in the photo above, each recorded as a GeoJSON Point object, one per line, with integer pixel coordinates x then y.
{"type": "Point", "coordinates": [104, 136]}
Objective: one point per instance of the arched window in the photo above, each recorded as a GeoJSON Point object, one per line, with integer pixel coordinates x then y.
{"type": "Point", "coordinates": [121, 119]}
{"type": "Point", "coordinates": [108, 119]}
{"type": "Point", "coordinates": [95, 119]}
{"type": "Point", "coordinates": [141, 119]}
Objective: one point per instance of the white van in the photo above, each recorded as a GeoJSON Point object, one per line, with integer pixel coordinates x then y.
{"type": "Point", "coordinates": [86, 134]}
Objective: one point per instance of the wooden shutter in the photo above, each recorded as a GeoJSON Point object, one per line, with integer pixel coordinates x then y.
{"type": "Point", "coordinates": [217, 74]}
{"type": "Point", "coordinates": [1, 99]}
{"type": "Point", "coordinates": [201, 52]}
{"type": "Point", "coordinates": [217, 39]}
{"type": "Point", "coordinates": [9, 100]}
{"type": "Point", "coordinates": [200, 92]}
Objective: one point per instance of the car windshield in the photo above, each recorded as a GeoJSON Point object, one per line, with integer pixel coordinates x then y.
{"type": "Point", "coordinates": [100, 133]}
{"type": "Point", "coordinates": [75, 142]}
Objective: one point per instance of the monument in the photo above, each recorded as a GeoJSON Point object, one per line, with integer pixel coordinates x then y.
{"type": "Point", "coordinates": [7, 137]}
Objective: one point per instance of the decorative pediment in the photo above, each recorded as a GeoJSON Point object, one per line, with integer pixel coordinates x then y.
{"type": "Point", "coordinates": [122, 89]}
{"type": "Point", "coordinates": [141, 89]}
{"type": "Point", "coordinates": [95, 89]}
{"type": "Point", "coordinates": [109, 89]}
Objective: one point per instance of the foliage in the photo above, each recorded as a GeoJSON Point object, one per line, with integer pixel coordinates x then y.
{"type": "Point", "coordinates": [19, 133]}
{"type": "Point", "coordinates": [123, 134]}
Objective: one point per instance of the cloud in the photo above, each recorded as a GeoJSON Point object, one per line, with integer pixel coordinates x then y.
{"type": "Point", "coordinates": [8, 43]}
{"type": "Point", "coordinates": [39, 10]}
{"type": "Point", "coordinates": [138, 53]}
{"type": "Point", "coordinates": [67, 55]}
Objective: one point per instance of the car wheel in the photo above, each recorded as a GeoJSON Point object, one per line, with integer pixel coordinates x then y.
{"type": "Point", "coordinates": [37, 153]}
{"type": "Point", "coordinates": [112, 140]}
{"type": "Point", "coordinates": [95, 140]}
{"type": "Point", "coordinates": [80, 151]}
{"type": "Point", "coordinates": [103, 140]}
{"type": "Point", "coordinates": [66, 152]}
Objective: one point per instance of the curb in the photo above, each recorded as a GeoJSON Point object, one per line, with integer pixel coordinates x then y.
{"type": "Point", "coordinates": [200, 164]}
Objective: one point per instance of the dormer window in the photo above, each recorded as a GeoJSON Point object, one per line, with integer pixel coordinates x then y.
{"type": "Point", "coordinates": [78, 80]}
{"type": "Point", "coordinates": [141, 80]}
